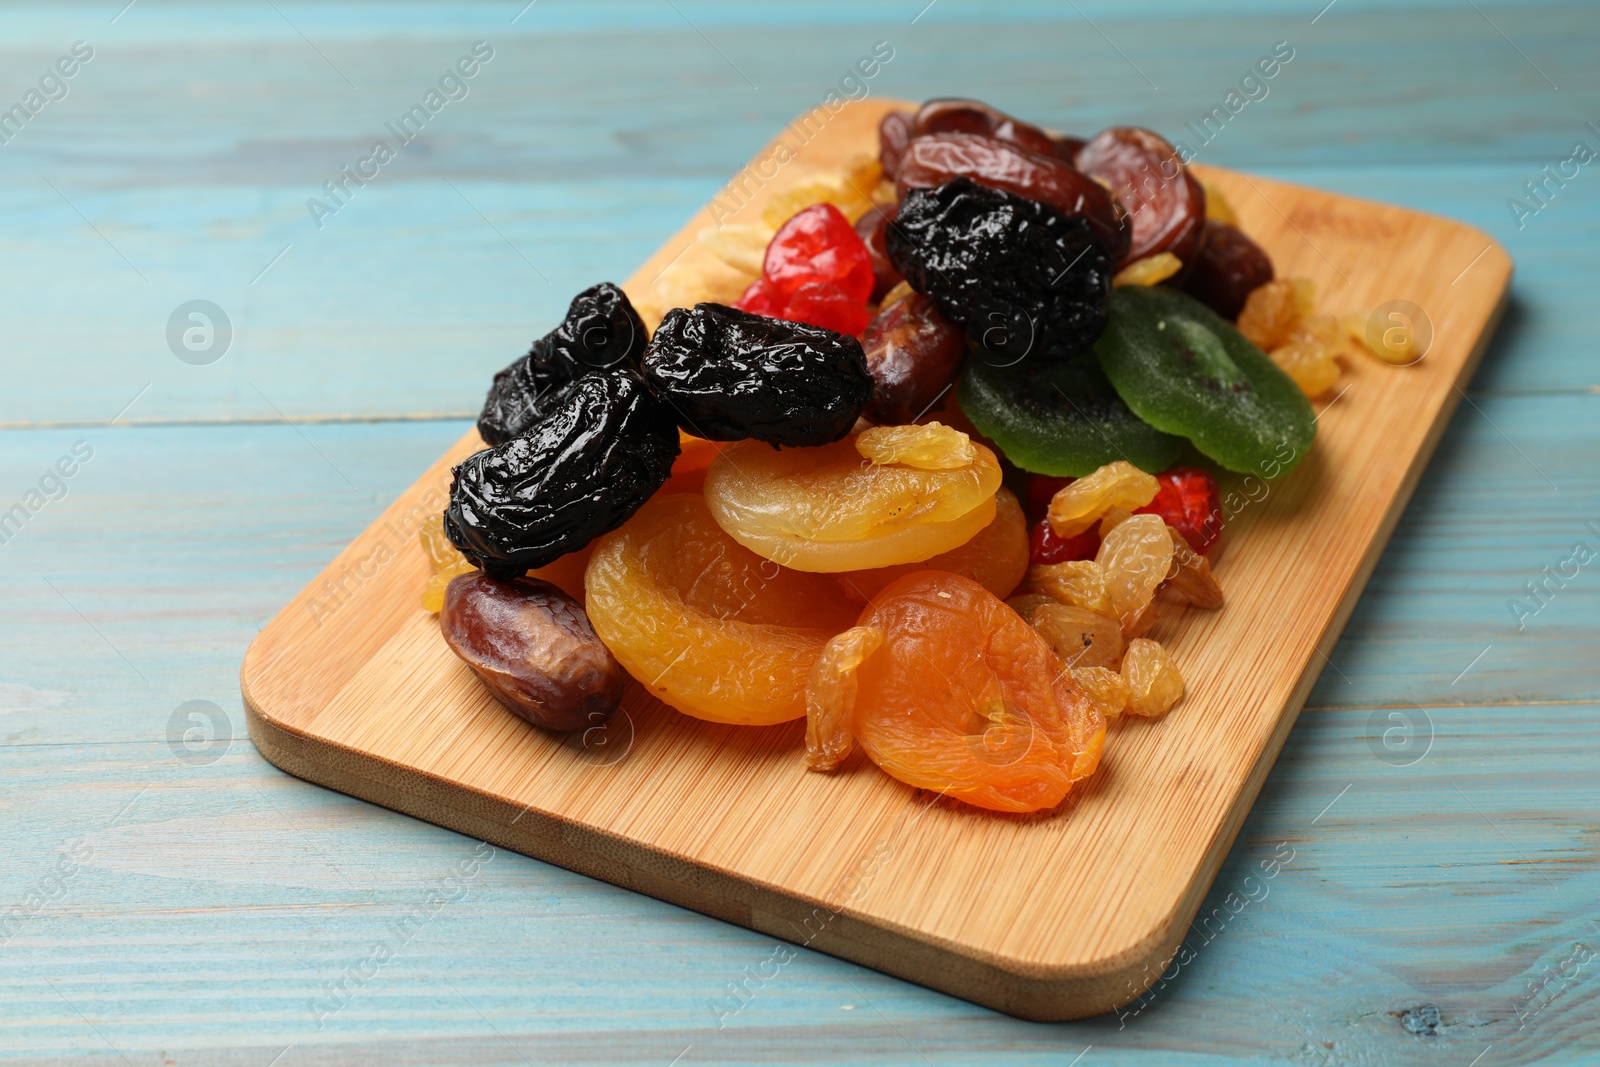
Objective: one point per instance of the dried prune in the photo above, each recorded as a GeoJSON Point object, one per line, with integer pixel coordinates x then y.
{"type": "Point", "coordinates": [731, 375]}
{"type": "Point", "coordinates": [1229, 267]}
{"type": "Point", "coordinates": [871, 226]}
{"type": "Point", "coordinates": [894, 131]}
{"type": "Point", "coordinates": [601, 332]}
{"type": "Point", "coordinates": [914, 353]}
{"type": "Point", "coordinates": [1058, 418]}
{"type": "Point", "coordinates": [936, 158]}
{"type": "Point", "coordinates": [606, 446]}
{"type": "Point", "coordinates": [955, 115]}
{"type": "Point", "coordinates": [1165, 205]}
{"type": "Point", "coordinates": [534, 648]}
{"type": "Point", "coordinates": [1017, 274]}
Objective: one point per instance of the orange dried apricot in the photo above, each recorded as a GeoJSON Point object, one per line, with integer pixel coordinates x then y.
{"type": "Point", "coordinates": [830, 509]}
{"type": "Point", "coordinates": [996, 557]}
{"type": "Point", "coordinates": [705, 624]}
{"type": "Point", "coordinates": [960, 696]}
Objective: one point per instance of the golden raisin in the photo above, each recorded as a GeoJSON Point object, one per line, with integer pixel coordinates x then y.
{"type": "Point", "coordinates": [1152, 270]}
{"type": "Point", "coordinates": [1191, 576]}
{"type": "Point", "coordinates": [831, 696]}
{"type": "Point", "coordinates": [1154, 683]}
{"type": "Point", "coordinates": [1272, 311]}
{"type": "Point", "coordinates": [1136, 556]}
{"type": "Point", "coordinates": [1106, 688]}
{"type": "Point", "coordinates": [1079, 505]}
{"type": "Point", "coordinates": [1078, 637]}
{"type": "Point", "coordinates": [929, 446]}
{"type": "Point", "coordinates": [1081, 583]}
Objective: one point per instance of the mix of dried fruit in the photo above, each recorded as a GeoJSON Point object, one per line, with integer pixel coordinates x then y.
{"type": "Point", "coordinates": [920, 485]}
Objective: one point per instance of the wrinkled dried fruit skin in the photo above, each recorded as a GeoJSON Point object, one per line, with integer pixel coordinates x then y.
{"type": "Point", "coordinates": [600, 332]}
{"type": "Point", "coordinates": [828, 509]}
{"type": "Point", "coordinates": [1106, 688]}
{"type": "Point", "coordinates": [996, 557]}
{"type": "Point", "coordinates": [1154, 683]}
{"type": "Point", "coordinates": [730, 375]}
{"type": "Point", "coordinates": [1166, 206]}
{"type": "Point", "coordinates": [935, 159]}
{"type": "Point", "coordinates": [818, 244]}
{"type": "Point", "coordinates": [1058, 418]}
{"type": "Point", "coordinates": [1191, 576]}
{"type": "Point", "coordinates": [914, 354]}
{"type": "Point", "coordinates": [704, 624]}
{"type": "Point", "coordinates": [831, 696]}
{"type": "Point", "coordinates": [581, 471]}
{"type": "Point", "coordinates": [964, 699]}
{"type": "Point", "coordinates": [894, 133]}
{"type": "Point", "coordinates": [1136, 557]}
{"type": "Point", "coordinates": [1272, 311]}
{"type": "Point", "coordinates": [1151, 270]}
{"type": "Point", "coordinates": [1189, 500]}
{"type": "Point", "coordinates": [1079, 637]}
{"type": "Point", "coordinates": [956, 115]}
{"type": "Point", "coordinates": [1020, 277]}
{"type": "Point", "coordinates": [871, 226]}
{"type": "Point", "coordinates": [928, 446]}
{"type": "Point", "coordinates": [1118, 484]}
{"type": "Point", "coordinates": [1229, 268]}
{"type": "Point", "coordinates": [534, 648]}
{"type": "Point", "coordinates": [1078, 583]}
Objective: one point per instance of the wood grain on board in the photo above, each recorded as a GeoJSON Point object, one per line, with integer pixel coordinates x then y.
{"type": "Point", "coordinates": [1047, 917]}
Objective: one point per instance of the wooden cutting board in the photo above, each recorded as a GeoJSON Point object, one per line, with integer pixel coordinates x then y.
{"type": "Point", "coordinates": [1052, 916]}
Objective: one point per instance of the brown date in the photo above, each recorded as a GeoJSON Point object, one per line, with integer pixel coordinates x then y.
{"type": "Point", "coordinates": [1166, 207]}
{"type": "Point", "coordinates": [534, 648]}
{"type": "Point", "coordinates": [1229, 267]}
{"type": "Point", "coordinates": [870, 226]}
{"type": "Point", "coordinates": [932, 160]}
{"type": "Point", "coordinates": [914, 354]}
{"type": "Point", "coordinates": [894, 131]}
{"type": "Point", "coordinates": [954, 115]}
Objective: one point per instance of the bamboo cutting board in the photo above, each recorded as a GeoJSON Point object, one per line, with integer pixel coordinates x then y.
{"type": "Point", "coordinates": [1051, 916]}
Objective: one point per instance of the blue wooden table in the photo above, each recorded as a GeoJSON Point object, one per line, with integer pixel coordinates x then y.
{"type": "Point", "coordinates": [170, 898]}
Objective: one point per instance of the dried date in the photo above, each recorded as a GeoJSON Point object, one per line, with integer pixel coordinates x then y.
{"type": "Point", "coordinates": [601, 331]}
{"type": "Point", "coordinates": [603, 448]}
{"type": "Point", "coordinates": [534, 648]}
{"type": "Point", "coordinates": [956, 115]}
{"type": "Point", "coordinates": [914, 354]}
{"type": "Point", "coordinates": [894, 131]}
{"type": "Point", "coordinates": [1018, 275]}
{"type": "Point", "coordinates": [1230, 266]}
{"type": "Point", "coordinates": [1166, 206]}
{"type": "Point", "coordinates": [731, 375]}
{"type": "Point", "coordinates": [871, 226]}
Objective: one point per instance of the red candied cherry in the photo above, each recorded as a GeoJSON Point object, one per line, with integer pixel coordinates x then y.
{"type": "Point", "coordinates": [1188, 499]}
{"type": "Point", "coordinates": [819, 245]}
{"type": "Point", "coordinates": [761, 299]}
{"type": "Point", "coordinates": [1045, 546]}
{"type": "Point", "coordinates": [1041, 487]}
{"type": "Point", "coordinates": [821, 304]}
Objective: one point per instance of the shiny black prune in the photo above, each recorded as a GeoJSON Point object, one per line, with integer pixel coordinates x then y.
{"type": "Point", "coordinates": [1019, 276]}
{"type": "Point", "coordinates": [731, 375]}
{"type": "Point", "coordinates": [601, 332]}
{"type": "Point", "coordinates": [583, 469]}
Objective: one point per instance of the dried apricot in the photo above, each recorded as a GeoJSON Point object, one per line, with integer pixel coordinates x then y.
{"type": "Point", "coordinates": [961, 697]}
{"type": "Point", "coordinates": [1080, 505]}
{"type": "Point", "coordinates": [1154, 683]}
{"type": "Point", "coordinates": [829, 509]}
{"type": "Point", "coordinates": [705, 624]}
{"type": "Point", "coordinates": [996, 557]}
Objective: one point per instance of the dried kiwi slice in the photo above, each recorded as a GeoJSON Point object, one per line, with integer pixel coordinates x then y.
{"type": "Point", "coordinates": [1058, 417]}
{"type": "Point", "coordinates": [1184, 369]}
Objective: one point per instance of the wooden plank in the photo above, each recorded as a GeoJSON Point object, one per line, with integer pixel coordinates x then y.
{"type": "Point", "coordinates": [364, 696]}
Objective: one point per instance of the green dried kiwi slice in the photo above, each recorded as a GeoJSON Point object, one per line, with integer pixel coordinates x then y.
{"type": "Point", "coordinates": [1058, 417]}
{"type": "Point", "coordinates": [1184, 369]}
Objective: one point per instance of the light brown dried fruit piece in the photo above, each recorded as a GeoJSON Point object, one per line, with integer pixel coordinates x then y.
{"type": "Point", "coordinates": [1191, 576]}
{"type": "Point", "coordinates": [1137, 557]}
{"type": "Point", "coordinates": [1107, 689]}
{"type": "Point", "coordinates": [1081, 583]}
{"type": "Point", "coordinates": [1154, 683]}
